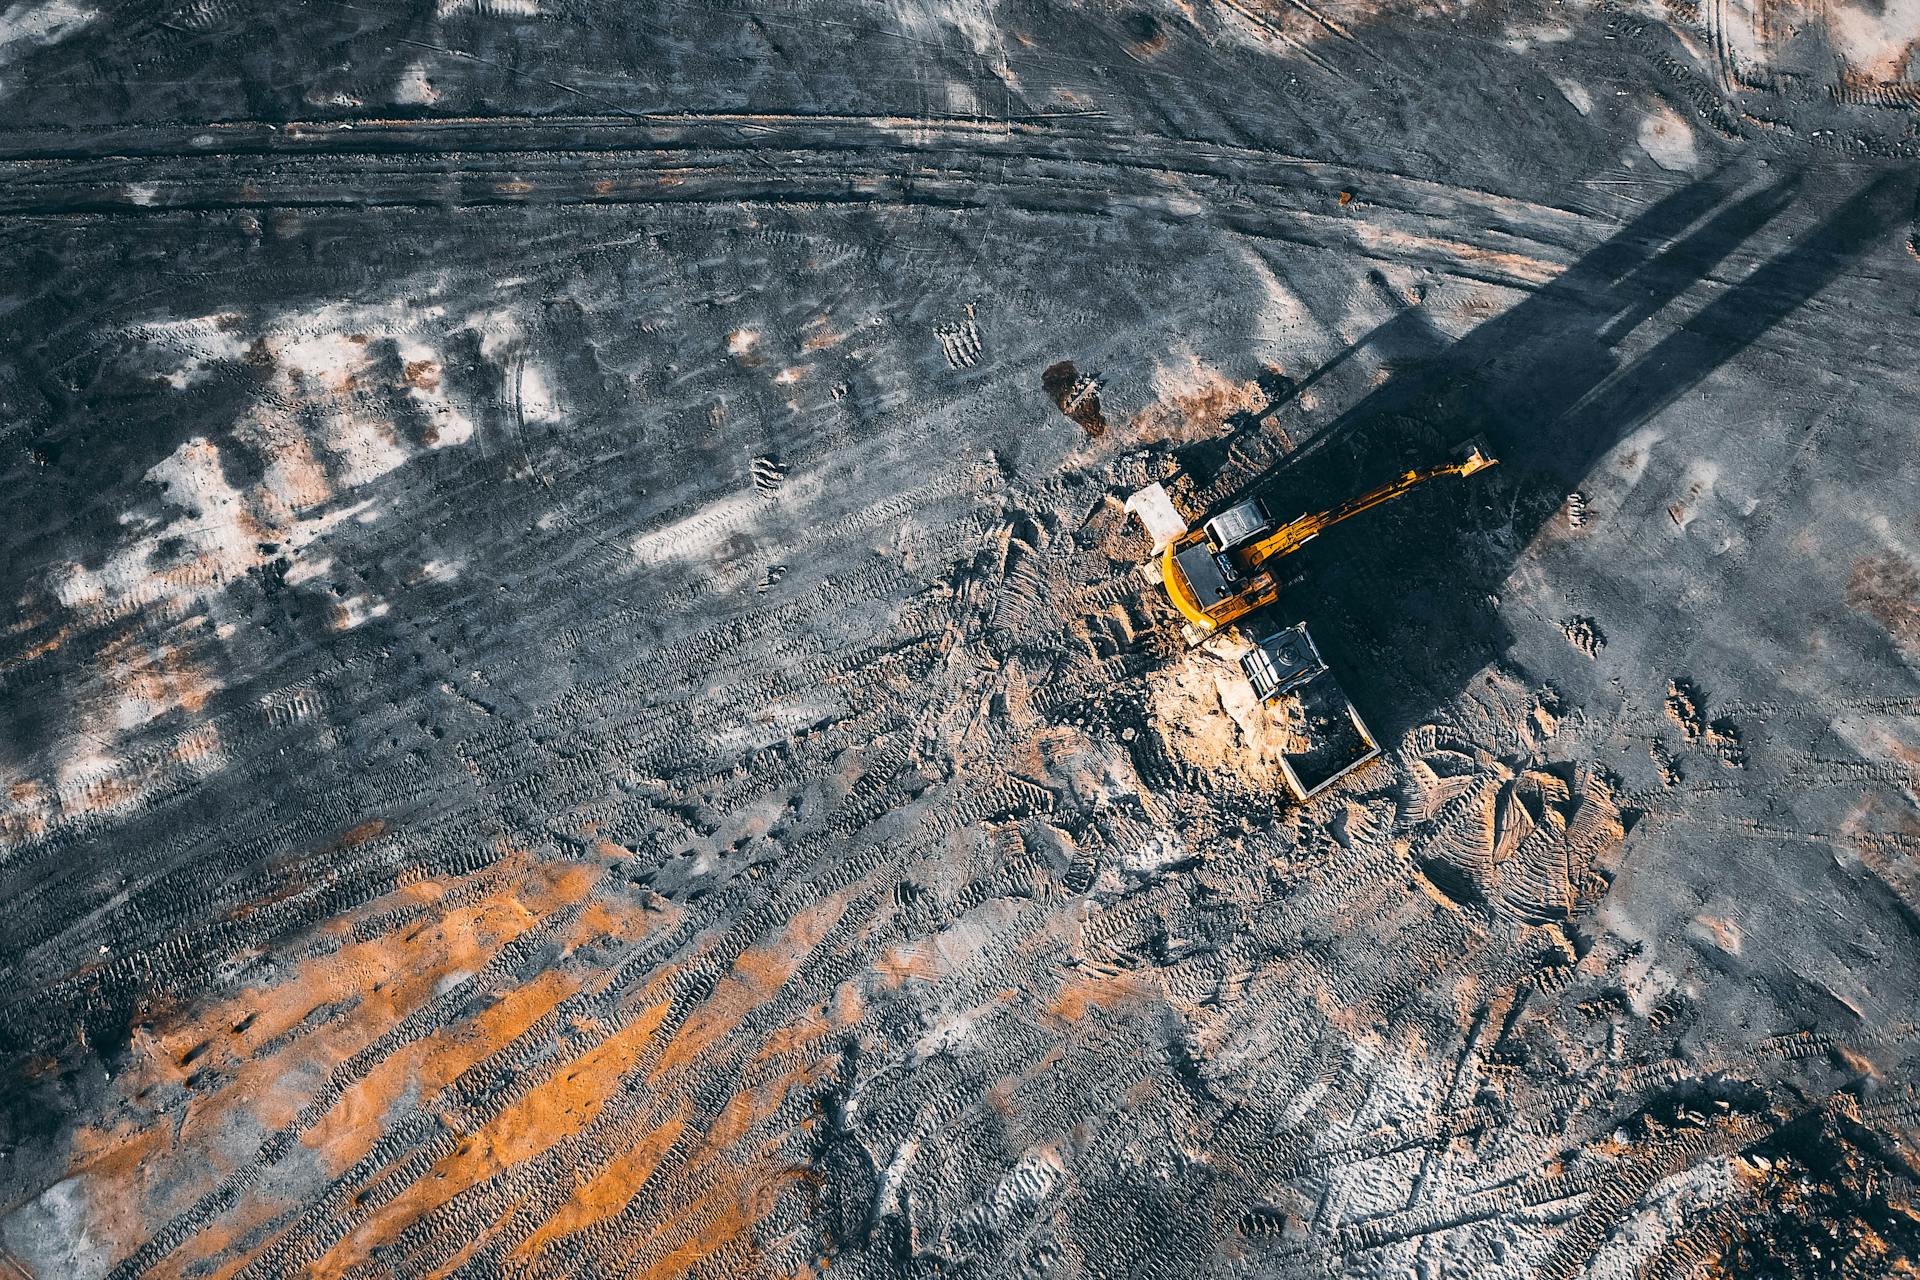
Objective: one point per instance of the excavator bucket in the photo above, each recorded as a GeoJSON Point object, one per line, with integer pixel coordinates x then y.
{"type": "Point", "coordinates": [1474, 455]}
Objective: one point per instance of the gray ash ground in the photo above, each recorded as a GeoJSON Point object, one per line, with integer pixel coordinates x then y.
{"type": "Point", "coordinates": [576, 701]}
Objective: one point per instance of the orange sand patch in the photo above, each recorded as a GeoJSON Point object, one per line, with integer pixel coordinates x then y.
{"type": "Point", "coordinates": [604, 1194]}
{"type": "Point", "coordinates": [755, 976]}
{"type": "Point", "coordinates": [909, 960]}
{"type": "Point", "coordinates": [724, 1219]}
{"type": "Point", "coordinates": [224, 1237]}
{"type": "Point", "coordinates": [1726, 934]}
{"type": "Point", "coordinates": [601, 919]}
{"type": "Point", "coordinates": [847, 1009]}
{"type": "Point", "coordinates": [350, 1129]}
{"type": "Point", "coordinates": [376, 983]}
{"type": "Point", "coordinates": [725, 1216]}
{"type": "Point", "coordinates": [1071, 1002]}
{"type": "Point", "coordinates": [27, 810]}
{"type": "Point", "coordinates": [121, 1193]}
{"type": "Point", "coordinates": [43, 648]}
{"type": "Point", "coordinates": [742, 1195]}
{"type": "Point", "coordinates": [821, 335]}
{"type": "Point", "coordinates": [160, 676]}
{"type": "Point", "coordinates": [113, 1163]}
{"type": "Point", "coordinates": [554, 1110]}
{"type": "Point", "coordinates": [1205, 714]}
{"type": "Point", "coordinates": [753, 1105]}
{"type": "Point", "coordinates": [178, 1155]}
{"type": "Point", "coordinates": [295, 478]}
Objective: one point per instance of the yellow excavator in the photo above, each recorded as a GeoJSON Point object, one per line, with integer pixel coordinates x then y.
{"type": "Point", "coordinates": [1223, 569]}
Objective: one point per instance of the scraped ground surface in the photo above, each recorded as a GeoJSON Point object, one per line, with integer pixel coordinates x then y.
{"type": "Point", "coordinates": [575, 702]}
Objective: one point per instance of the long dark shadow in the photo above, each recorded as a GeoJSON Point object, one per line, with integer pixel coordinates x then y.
{"type": "Point", "coordinates": [1402, 600]}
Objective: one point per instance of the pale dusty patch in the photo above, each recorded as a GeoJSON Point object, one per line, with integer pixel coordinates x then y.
{"type": "Point", "coordinates": [1696, 484]}
{"type": "Point", "coordinates": [354, 610]}
{"type": "Point", "coordinates": [896, 1171]}
{"type": "Point", "coordinates": [1402, 1088]}
{"type": "Point", "coordinates": [490, 8]}
{"type": "Point", "coordinates": [976, 21]}
{"type": "Point", "coordinates": [1877, 37]}
{"type": "Point", "coordinates": [1192, 401]}
{"type": "Point", "coordinates": [1627, 461]}
{"type": "Point", "coordinates": [50, 1234]}
{"type": "Point", "coordinates": [503, 341]}
{"type": "Point", "coordinates": [27, 26]}
{"type": "Point", "coordinates": [322, 424]}
{"type": "Point", "coordinates": [211, 534]}
{"type": "Point", "coordinates": [1642, 976]}
{"type": "Point", "coordinates": [1738, 24]}
{"type": "Point", "coordinates": [1284, 318]}
{"type": "Point", "coordinates": [1523, 37]}
{"type": "Point", "coordinates": [1026, 1186]}
{"type": "Point", "coordinates": [947, 1033]}
{"type": "Point", "coordinates": [1636, 1242]}
{"type": "Point", "coordinates": [326, 361]}
{"type": "Point", "coordinates": [1576, 93]}
{"type": "Point", "coordinates": [413, 88]}
{"type": "Point", "coordinates": [1157, 514]}
{"type": "Point", "coordinates": [89, 779]}
{"type": "Point", "coordinates": [1668, 140]}
{"type": "Point", "coordinates": [706, 533]}
{"type": "Point", "coordinates": [1205, 712]}
{"type": "Point", "coordinates": [961, 100]}
{"type": "Point", "coordinates": [537, 403]}
{"type": "Point", "coordinates": [201, 342]}
{"type": "Point", "coordinates": [1160, 851]}
{"type": "Point", "coordinates": [699, 534]}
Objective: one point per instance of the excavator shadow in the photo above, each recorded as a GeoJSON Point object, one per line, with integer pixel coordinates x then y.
{"type": "Point", "coordinates": [1402, 600]}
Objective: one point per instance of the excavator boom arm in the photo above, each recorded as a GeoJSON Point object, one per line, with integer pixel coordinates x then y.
{"type": "Point", "coordinates": [1295, 533]}
{"type": "Point", "coordinates": [1237, 582]}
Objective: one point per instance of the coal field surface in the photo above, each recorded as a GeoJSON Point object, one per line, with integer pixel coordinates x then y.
{"type": "Point", "coordinates": [577, 701]}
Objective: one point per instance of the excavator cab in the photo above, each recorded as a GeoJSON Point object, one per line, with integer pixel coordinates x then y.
{"type": "Point", "coordinates": [1239, 525]}
{"type": "Point", "coordinates": [1209, 574]}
